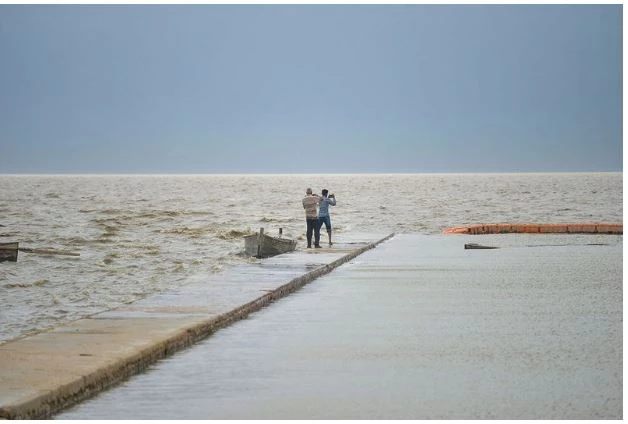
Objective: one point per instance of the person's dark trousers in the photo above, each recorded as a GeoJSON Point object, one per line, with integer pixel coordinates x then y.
{"type": "Point", "coordinates": [317, 233]}
{"type": "Point", "coordinates": [312, 227]}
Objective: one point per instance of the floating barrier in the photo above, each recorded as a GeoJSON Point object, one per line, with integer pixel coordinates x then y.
{"type": "Point", "coordinates": [589, 228]}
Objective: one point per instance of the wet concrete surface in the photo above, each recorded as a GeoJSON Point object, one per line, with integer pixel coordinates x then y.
{"type": "Point", "coordinates": [47, 372]}
{"type": "Point", "coordinates": [418, 328]}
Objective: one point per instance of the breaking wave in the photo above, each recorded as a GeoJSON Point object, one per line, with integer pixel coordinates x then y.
{"type": "Point", "coordinates": [234, 234]}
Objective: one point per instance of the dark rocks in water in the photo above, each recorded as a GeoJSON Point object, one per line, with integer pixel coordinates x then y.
{"type": "Point", "coordinates": [478, 246]}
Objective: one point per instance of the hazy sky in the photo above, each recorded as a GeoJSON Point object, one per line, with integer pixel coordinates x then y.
{"type": "Point", "coordinates": [310, 88]}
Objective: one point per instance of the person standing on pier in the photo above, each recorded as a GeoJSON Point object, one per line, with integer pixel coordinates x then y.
{"type": "Point", "coordinates": [323, 213]}
{"type": "Point", "coordinates": [310, 202]}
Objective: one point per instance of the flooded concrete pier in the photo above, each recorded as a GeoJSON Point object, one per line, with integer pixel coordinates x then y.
{"type": "Point", "coordinates": [42, 374]}
{"type": "Point", "coordinates": [418, 328]}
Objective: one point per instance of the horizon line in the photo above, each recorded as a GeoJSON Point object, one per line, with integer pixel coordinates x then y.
{"type": "Point", "coordinates": [294, 174]}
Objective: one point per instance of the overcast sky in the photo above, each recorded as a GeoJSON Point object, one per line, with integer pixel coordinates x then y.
{"type": "Point", "coordinates": [310, 88]}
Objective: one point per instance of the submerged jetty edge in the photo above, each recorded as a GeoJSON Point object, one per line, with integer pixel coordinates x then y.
{"type": "Point", "coordinates": [45, 403]}
{"type": "Point", "coordinates": [588, 228]}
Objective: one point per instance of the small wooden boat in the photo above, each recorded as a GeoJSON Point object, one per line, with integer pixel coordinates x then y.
{"type": "Point", "coordinates": [262, 245]}
{"type": "Point", "coordinates": [8, 251]}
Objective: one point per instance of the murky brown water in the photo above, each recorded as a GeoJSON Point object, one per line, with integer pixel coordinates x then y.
{"type": "Point", "coordinates": [139, 235]}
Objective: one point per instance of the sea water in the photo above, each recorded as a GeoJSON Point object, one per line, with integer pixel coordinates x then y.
{"type": "Point", "coordinates": [141, 234]}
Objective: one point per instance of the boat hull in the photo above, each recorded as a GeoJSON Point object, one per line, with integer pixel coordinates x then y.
{"type": "Point", "coordinates": [265, 246]}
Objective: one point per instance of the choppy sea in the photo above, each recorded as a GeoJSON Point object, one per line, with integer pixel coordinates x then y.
{"type": "Point", "coordinates": [141, 234]}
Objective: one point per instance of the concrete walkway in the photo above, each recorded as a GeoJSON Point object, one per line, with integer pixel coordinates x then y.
{"type": "Point", "coordinates": [42, 374]}
{"type": "Point", "coordinates": [418, 328]}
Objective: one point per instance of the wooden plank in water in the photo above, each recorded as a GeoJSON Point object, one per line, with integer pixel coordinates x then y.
{"type": "Point", "coordinates": [478, 246]}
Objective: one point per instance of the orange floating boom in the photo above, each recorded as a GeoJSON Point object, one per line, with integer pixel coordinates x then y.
{"type": "Point", "coordinates": [588, 228]}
